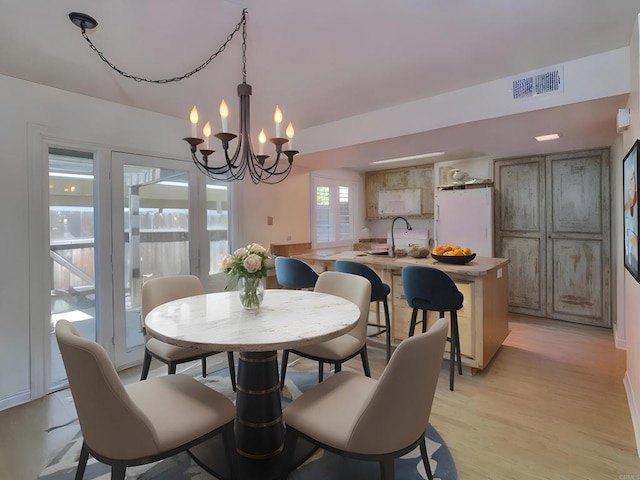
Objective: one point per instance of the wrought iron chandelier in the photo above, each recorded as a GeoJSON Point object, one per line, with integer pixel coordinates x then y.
{"type": "Point", "coordinates": [244, 159]}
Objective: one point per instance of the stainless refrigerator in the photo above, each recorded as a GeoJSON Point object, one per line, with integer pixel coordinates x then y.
{"type": "Point", "coordinates": [465, 217]}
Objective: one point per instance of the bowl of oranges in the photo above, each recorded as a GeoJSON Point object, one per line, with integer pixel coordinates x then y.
{"type": "Point", "coordinates": [452, 254]}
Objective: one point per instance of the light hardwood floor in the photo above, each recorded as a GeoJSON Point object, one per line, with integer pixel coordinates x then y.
{"type": "Point", "coordinates": [551, 405]}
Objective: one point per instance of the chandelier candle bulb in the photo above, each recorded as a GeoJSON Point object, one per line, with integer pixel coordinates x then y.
{"type": "Point", "coordinates": [277, 117]}
{"type": "Point", "coordinates": [224, 114]}
{"type": "Point", "coordinates": [262, 138]}
{"type": "Point", "coordinates": [206, 131]}
{"type": "Point", "coordinates": [290, 133]}
{"type": "Point", "coordinates": [193, 117]}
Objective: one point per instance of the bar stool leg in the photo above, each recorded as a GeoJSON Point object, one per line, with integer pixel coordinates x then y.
{"type": "Point", "coordinates": [452, 363]}
{"type": "Point", "coordinates": [387, 323]}
{"type": "Point", "coordinates": [452, 348]}
{"type": "Point", "coordinates": [412, 327]}
{"type": "Point", "coordinates": [457, 341]}
{"type": "Point", "coordinates": [454, 355]}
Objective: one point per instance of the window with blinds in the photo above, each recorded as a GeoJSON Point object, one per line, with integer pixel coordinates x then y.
{"type": "Point", "coordinates": [333, 214]}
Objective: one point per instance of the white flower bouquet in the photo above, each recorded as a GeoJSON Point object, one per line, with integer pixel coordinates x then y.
{"type": "Point", "coordinates": [247, 266]}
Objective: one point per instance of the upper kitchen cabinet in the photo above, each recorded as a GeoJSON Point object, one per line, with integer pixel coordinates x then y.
{"type": "Point", "coordinates": [400, 191]}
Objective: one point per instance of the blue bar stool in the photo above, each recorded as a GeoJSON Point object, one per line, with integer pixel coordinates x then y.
{"type": "Point", "coordinates": [379, 293]}
{"type": "Point", "coordinates": [294, 273]}
{"type": "Point", "coordinates": [427, 288]}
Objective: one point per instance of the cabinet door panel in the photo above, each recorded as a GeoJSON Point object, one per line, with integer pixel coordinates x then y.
{"type": "Point", "coordinates": [574, 207]}
{"type": "Point", "coordinates": [420, 177]}
{"type": "Point", "coordinates": [577, 268]}
{"type": "Point", "coordinates": [520, 188]}
{"type": "Point", "coordinates": [578, 238]}
{"type": "Point", "coordinates": [520, 231]}
{"type": "Point", "coordinates": [525, 291]}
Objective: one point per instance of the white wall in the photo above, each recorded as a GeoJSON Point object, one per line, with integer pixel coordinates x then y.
{"type": "Point", "coordinates": [288, 205]}
{"type": "Point", "coordinates": [628, 300]}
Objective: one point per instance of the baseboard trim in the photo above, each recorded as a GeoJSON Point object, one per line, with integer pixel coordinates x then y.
{"type": "Point", "coordinates": [15, 400]}
{"type": "Point", "coordinates": [633, 409]}
{"type": "Point", "coordinates": [620, 341]}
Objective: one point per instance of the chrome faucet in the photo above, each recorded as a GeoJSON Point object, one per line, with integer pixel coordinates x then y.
{"type": "Point", "coordinates": [392, 253]}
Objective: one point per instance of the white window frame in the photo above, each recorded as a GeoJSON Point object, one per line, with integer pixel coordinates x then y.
{"type": "Point", "coordinates": [318, 180]}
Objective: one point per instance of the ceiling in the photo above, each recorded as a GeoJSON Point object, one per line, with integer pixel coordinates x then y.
{"type": "Point", "coordinates": [325, 61]}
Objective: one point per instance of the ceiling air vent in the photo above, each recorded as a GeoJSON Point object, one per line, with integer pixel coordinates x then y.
{"type": "Point", "coordinates": [538, 82]}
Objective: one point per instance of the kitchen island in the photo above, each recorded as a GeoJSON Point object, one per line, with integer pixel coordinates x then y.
{"type": "Point", "coordinates": [483, 320]}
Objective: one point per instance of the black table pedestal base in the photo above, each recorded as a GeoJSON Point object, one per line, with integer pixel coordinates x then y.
{"type": "Point", "coordinates": [259, 426]}
{"type": "Point", "coordinates": [211, 457]}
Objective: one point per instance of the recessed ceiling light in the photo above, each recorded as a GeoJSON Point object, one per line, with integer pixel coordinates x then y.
{"type": "Point", "coordinates": [544, 138]}
{"type": "Point", "coordinates": [414, 157]}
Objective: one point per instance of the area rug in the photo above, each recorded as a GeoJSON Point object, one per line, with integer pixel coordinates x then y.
{"type": "Point", "coordinates": [322, 465]}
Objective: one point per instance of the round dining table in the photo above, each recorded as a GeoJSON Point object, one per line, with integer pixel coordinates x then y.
{"type": "Point", "coordinates": [217, 321]}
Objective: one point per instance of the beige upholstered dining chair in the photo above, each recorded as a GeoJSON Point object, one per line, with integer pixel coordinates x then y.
{"type": "Point", "coordinates": [376, 420]}
{"type": "Point", "coordinates": [338, 350]}
{"type": "Point", "coordinates": [161, 290]}
{"type": "Point", "coordinates": [139, 423]}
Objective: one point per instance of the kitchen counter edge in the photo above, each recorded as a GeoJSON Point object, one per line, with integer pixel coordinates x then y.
{"type": "Point", "coordinates": [477, 267]}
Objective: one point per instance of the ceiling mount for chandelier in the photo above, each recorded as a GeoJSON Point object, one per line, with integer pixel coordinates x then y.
{"type": "Point", "coordinates": [243, 159]}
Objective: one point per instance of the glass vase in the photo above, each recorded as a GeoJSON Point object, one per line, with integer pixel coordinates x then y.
{"type": "Point", "coordinates": [251, 291]}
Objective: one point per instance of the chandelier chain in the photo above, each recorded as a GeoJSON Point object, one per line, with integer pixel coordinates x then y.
{"type": "Point", "coordinates": [241, 23]}
{"type": "Point", "coordinates": [244, 46]}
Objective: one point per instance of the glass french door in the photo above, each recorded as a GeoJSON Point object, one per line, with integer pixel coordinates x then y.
{"type": "Point", "coordinates": [156, 227]}
{"type": "Point", "coordinates": [109, 221]}
{"type": "Point", "coordinates": [72, 266]}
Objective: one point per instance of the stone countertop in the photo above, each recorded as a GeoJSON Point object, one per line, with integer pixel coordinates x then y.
{"type": "Point", "coordinates": [477, 267]}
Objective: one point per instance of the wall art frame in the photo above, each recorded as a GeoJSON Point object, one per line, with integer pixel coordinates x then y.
{"type": "Point", "coordinates": [630, 210]}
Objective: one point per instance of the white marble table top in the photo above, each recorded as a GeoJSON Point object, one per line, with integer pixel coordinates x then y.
{"type": "Point", "coordinates": [286, 319]}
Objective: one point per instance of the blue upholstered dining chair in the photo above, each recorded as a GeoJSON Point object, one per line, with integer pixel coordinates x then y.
{"type": "Point", "coordinates": [427, 288]}
{"type": "Point", "coordinates": [294, 273]}
{"type": "Point", "coordinates": [379, 293]}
